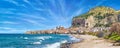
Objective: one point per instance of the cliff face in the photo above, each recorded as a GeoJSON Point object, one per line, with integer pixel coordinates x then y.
{"type": "Point", "coordinates": [97, 17]}
{"type": "Point", "coordinates": [78, 22]}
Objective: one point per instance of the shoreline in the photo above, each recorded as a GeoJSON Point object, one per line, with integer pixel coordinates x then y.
{"type": "Point", "coordinates": [90, 41]}
{"type": "Point", "coordinates": [69, 43]}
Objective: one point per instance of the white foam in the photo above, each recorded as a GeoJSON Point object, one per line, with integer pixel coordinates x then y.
{"type": "Point", "coordinates": [64, 41]}
{"type": "Point", "coordinates": [74, 39]}
{"type": "Point", "coordinates": [25, 37]}
{"type": "Point", "coordinates": [36, 43]}
{"type": "Point", "coordinates": [55, 45]}
{"type": "Point", "coordinates": [44, 37]}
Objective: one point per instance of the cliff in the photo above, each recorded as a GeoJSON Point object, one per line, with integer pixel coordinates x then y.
{"type": "Point", "coordinates": [97, 17]}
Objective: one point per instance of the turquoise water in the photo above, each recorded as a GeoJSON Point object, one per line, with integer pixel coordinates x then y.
{"type": "Point", "coordinates": [33, 41]}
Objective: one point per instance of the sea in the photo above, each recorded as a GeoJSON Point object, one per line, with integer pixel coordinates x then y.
{"type": "Point", "coordinates": [34, 40]}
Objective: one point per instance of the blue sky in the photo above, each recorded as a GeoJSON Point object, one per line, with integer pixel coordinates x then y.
{"type": "Point", "coordinates": [18, 16]}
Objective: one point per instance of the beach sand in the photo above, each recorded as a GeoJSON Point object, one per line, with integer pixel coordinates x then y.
{"type": "Point", "coordinates": [92, 42]}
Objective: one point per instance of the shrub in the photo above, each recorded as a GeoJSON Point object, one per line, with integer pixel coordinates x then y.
{"type": "Point", "coordinates": [114, 33]}
{"type": "Point", "coordinates": [114, 37]}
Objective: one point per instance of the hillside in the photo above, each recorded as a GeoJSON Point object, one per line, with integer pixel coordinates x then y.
{"type": "Point", "coordinates": [97, 17]}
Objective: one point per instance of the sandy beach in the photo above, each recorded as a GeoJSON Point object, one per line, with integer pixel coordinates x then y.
{"type": "Point", "coordinates": [92, 42]}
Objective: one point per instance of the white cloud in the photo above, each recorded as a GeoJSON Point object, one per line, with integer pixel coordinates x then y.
{"type": "Point", "coordinates": [62, 5]}
{"type": "Point", "coordinates": [16, 30]}
{"type": "Point", "coordinates": [12, 1]}
{"type": "Point", "coordinates": [7, 11]}
{"type": "Point", "coordinates": [52, 14]}
{"type": "Point", "coordinates": [15, 3]}
{"type": "Point", "coordinates": [11, 30]}
{"type": "Point", "coordinates": [33, 16]}
{"type": "Point", "coordinates": [78, 12]}
{"type": "Point", "coordinates": [26, 1]}
{"type": "Point", "coordinates": [8, 22]}
{"type": "Point", "coordinates": [6, 28]}
{"type": "Point", "coordinates": [32, 5]}
{"type": "Point", "coordinates": [33, 22]}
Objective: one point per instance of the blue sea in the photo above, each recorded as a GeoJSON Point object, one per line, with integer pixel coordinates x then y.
{"type": "Point", "coordinates": [34, 40]}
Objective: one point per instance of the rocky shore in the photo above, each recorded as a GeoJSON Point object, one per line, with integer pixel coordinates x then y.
{"type": "Point", "coordinates": [65, 45]}
{"type": "Point", "coordinates": [68, 44]}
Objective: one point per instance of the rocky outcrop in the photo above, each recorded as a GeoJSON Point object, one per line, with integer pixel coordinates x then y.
{"type": "Point", "coordinates": [97, 17]}
{"type": "Point", "coordinates": [78, 22]}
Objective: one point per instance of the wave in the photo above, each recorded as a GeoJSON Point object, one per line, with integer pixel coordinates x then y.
{"type": "Point", "coordinates": [55, 45]}
{"type": "Point", "coordinates": [43, 37]}
{"type": "Point", "coordinates": [36, 43]}
{"type": "Point", "coordinates": [73, 39]}
{"type": "Point", "coordinates": [25, 37]}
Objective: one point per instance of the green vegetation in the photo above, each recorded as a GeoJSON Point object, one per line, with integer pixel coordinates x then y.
{"type": "Point", "coordinates": [114, 33]}
{"type": "Point", "coordinates": [113, 36]}
{"type": "Point", "coordinates": [102, 25]}
{"type": "Point", "coordinates": [85, 16]}
{"type": "Point", "coordinates": [100, 17]}
{"type": "Point", "coordinates": [98, 25]}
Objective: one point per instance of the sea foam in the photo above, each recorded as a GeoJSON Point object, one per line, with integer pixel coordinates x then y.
{"type": "Point", "coordinates": [44, 37]}
{"type": "Point", "coordinates": [36, 43]}
{"type": "Point", "coordinates": [55, 45]}
{"type": "Point", "coordinates": [25, 37]}
{"type": "Point", "coordinates": [73, 39]}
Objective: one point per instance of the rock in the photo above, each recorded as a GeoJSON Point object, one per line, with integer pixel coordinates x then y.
{"type": "Point", "coordinates": [65, 45]}
{"type": "Point", "coordinates": [78, 22]}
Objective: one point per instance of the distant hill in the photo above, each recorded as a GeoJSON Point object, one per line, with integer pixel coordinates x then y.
{"type": "Point", "coordinates": [97, 17]}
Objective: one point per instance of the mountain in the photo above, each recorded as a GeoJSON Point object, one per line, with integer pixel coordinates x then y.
{"type": "Point", "coordinates": [97, 17]}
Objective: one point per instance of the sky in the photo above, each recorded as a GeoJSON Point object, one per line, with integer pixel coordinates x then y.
{"type": "Point", "coordinates": [19, 16]}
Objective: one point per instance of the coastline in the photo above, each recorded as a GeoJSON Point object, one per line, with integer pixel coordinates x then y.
{"type": "Point", "coordinates": [90, 41]}
{"type": "Point", "coordinates": [74, 40]}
